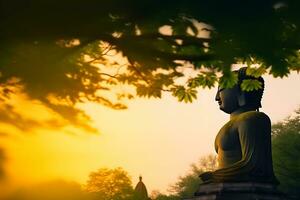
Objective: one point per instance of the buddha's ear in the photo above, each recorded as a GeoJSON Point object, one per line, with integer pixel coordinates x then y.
{"type": "Point", "coordinates": [241, 99]}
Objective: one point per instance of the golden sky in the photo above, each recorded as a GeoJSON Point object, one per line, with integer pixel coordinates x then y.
{"type": "Point", "coordinates": [157, 138]}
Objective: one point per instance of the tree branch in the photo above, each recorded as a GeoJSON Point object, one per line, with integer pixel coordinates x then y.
{"type": "Point", "coordinates": [126, 42]}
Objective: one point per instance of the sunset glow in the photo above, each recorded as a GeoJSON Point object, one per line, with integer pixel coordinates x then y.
{"type": "Point", "coordinates": [149, 138]}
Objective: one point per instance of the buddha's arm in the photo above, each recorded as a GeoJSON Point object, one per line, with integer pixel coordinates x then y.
{"type": "Point", "coordinates": [252, 132]}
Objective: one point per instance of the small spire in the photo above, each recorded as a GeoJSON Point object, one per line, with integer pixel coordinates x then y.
{"type": "Point", "coordinates": [141, 190]}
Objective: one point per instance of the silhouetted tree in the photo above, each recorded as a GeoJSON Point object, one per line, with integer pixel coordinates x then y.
{"type": "Point", "coordinates": [57, 50]}
{"type": "Point", "coordinates": [188, 184]}
{"type": "Point", "coordinates": [110, 184]}
{"type": "Point", "coordinates": [166, 197]}
{"type": "Point", "coordinates": [286, 151]}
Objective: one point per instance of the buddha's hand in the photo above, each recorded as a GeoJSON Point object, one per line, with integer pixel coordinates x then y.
{"type": "Point", "coordinates": [206, 176]}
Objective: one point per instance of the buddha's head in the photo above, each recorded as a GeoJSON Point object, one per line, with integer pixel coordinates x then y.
{"type": "Point", "coordinates": [231, 99]}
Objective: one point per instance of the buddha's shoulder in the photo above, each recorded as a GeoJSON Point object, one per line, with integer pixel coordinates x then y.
{"type": "Point", "coordinates": [253, 116]}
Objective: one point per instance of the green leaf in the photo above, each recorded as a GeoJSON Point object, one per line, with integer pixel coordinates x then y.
{"type": "Point", "coordinates": [279, 70]}
{"type": "Point", "coordinates": [206, 79]}
{"type": "Point", "coordinates": [148, 91]}
{"type": "Point", "coordinates": [183, 94]}
{"type": "Point", "coordinates": [250, 85]}
{"type": "Point", "coordinates": [228, 80]}
{"type": "Point", "coordinates": [179, 92]}
{"type": "Point", "coordinates": [256, 72]}
{"type": "Point", "coordinates": [194, 82]}
{"type": "Point", "coordinates": [192, 94]}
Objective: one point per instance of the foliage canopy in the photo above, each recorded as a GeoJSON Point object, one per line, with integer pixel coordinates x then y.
{"type": "Point", "coordinates": [107, 184]}
{"type": "Point", "coordinates": [61, 51]}
{"type": "Point", "coordinates": [188, 184]}
{"type": "Point", "coordinates": [286, 150]}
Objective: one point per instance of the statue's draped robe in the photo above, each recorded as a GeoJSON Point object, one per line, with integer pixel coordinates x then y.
{"type": "Point", "coordinates": [244, 149]}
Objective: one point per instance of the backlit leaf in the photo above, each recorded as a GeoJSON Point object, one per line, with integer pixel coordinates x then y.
{"type": "Point", "coordinates": [250, 85]}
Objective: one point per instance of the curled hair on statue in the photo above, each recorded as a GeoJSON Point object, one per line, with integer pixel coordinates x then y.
{"type": "Point", "coordinates": [253, 98]}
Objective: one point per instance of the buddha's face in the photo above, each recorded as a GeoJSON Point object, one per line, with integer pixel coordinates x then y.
{"type": "Point", "coordinates": [228, 99]}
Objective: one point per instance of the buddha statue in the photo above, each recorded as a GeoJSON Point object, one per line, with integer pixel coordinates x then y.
{"type": "Point", "coordinates": [243, 144]}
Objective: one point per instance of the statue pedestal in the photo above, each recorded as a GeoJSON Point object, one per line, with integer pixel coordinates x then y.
{"type": "Point", "coordinates": [238, 191]}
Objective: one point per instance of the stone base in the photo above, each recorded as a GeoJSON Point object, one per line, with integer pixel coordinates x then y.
{"type": "Point", "coordinates": [238, 191]}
